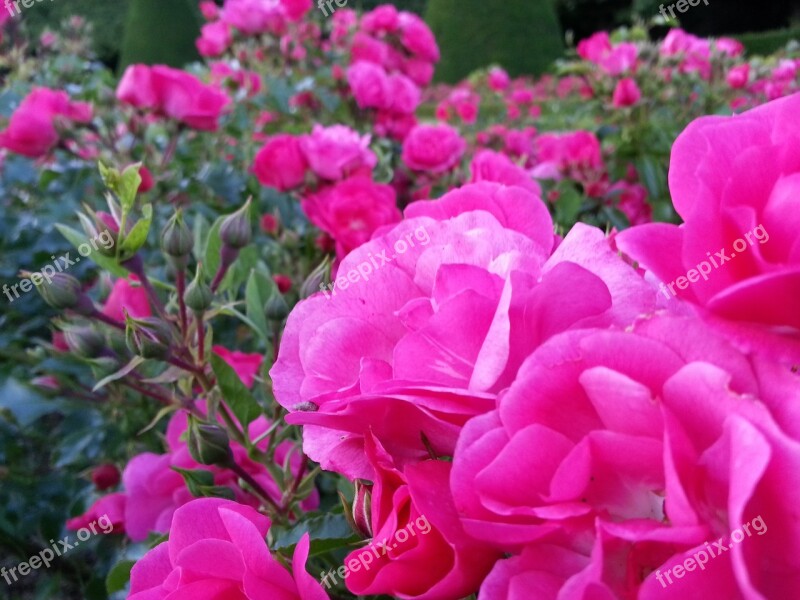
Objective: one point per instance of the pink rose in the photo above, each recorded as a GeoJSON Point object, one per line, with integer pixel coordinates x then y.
{"type": "Point", "coordinates": [739, 228]}
{"type": "Point", "coordinates": [404, 94]}
{"type": "Point", "coordinates": [336, 151]}
{"type": "Point", "coordinates": [416, 534]}
{"type": "Point", "coordinates": [730, 46]}
{"type": "Point", "coordinates": [31, 130]}
{"type": "Point", "coordinates": [209, 9]}
{"type": "Point", "coordinates": [296, 9]}
{"type": "Point", "coordinates": [631, 450]}
{"type": "Point", "coordinates": [489, 165]}
{"type": "Point", "coordinates": [365, 47]}
{"type": "Point", "coordinates": [281, 163]}
{"type": "Point", "coordinates": [214, 39]}
{"type": "Point", "coordinates": [417, 37]}
{"type": "Point", "coordinates": [738, 76]}
{"type": "Point", "coordinates": [225, 558]}
{"type": "Point", "coordinates": [369, 84]}
{"type": "Point", "coordinates": [247, 366]}
{"type": "Point", "coordinates": [383, 19]}
{"type": "Point", "coordinates": [351, 210]}
{"type": "Point", "coordinates": [418, 70]}
{"type": "Point", "coordinates": [107, 512]}
{"type": "Point", "coordinates": [631, 199]}
{"type": "Point", "coordinates": [255, 16]}
{"type": "Point", "coordinates": [403, 364]}
{"type": "Point", "coordinates": [174, 93]}
{"type": "Point", "coordinates": [626, 93]}
{"type": "Point", "coordinates": [498, 79]}
{"type": "Point", "coordinates": [126, 297]}
{"type": "Point", "coordinates": [594, 48]}
{"type": "Point", "coordinates": [433, 148]}
{"type": "Point", "coordinates": [562, 153]}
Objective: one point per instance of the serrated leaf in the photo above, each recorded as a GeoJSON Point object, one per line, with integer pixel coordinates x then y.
{"type": "Point", "coordinates": [128, 186]}
{"type": "Point", "coordinates": [327, 531]}
{"type": "Point", "coordinates": [135, 362]}
{"type": "Point", "coordinates": [119, 576]}
{"type": "Point", "coordinates": [236, 395]}
{"type": "Point", "coordinates": [77, 238]}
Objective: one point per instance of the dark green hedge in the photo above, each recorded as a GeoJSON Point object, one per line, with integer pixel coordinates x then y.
{"type": "Point", "coordinates": [161, 32]}
{"type": "Point", "coordinates": [768, 42]}
{"type": "Point", "coordinates": [523, 36]}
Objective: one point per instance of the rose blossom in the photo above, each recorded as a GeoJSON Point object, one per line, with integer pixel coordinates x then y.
{"type": "Point", "coordinates": [281, 163]}
{"type": "Point", "coordinates": [433, 148]}
{"type": "Point", "coordinates": [632, 449]}
{"type": "Point", "coordinates": [31, 130]}
{"type": "Point", "coordinates": [417, 37]}
{"type": "Point", "coordinates": [498, 79]}
{"type": "Point", "coordinates": [351, 210]}
{"type": "Point", "coordinates": [225, 558]}
{"type": "Point", "coordinates": [336, 151]}
{"type": "Point", "coordinates": [126, 297]}
{"type": "Point", "coordinates": [370, 85]}
{"type": "Point", "coordinates": [489, 165]}
{"type": "Point", "coordinates": [214, 39]}
{"type": "Point", "coordinates": [738, 76]}
{"type": "Point", "coordinates": [626, 93]}
{"type": "Point", "coordinates": [389, 354]}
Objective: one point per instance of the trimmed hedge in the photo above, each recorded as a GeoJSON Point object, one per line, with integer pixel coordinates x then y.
{"type": "Point", "coordinates": [161, 32]}
{"type": "Point", "coordinates": [523, 36]}
{"type": "Point", "coordinates": [768, 42]}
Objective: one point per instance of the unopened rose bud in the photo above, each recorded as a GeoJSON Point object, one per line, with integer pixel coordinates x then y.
{"type": "Point", "coordinates": [362, 508]}
{"type": "Point", "coordinates": [313, 282]}
{"type": "Point", "coordinates": [236, 231]}
{"type": "Point", "coordinates": [105, 477]}
{"type": "Point", "coordinates": [209, 444]}
{"type": "Point", "coordinates": [276, 308]}
{"type": "Point", "coordinates": [269, 224]}
{"type": "Point", "coordinates": [198, 296]}
{"type": "Point", "coordinates": [85, 341]}
{"type": "Point", "coordinates": [283, 282]}
{"type": "Point", "coordinates": [176, 239]}
{"type": "Point", "coordinates": [148, 337]}
{"type": "Point", "coordinates": [64, 292]}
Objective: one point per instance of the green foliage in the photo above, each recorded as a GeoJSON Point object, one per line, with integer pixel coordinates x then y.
{"type": "Point", "coordinates": [521, 35]}
{"type": "Point", "coordinates": [158, 32]}
{"type": "Point", "coordinates": [768, 42]}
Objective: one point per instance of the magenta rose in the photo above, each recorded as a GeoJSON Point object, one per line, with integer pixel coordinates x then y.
{"type": "Point", "coordinates": [214, 39]}
{"type": "Point", "coordinates": [351, 210]}
{"type": "Point", "coordinates": [433, 148]}
{"type": "Point", "coordinates": [384, 351]}
{"type": "Point", "coordinates": [417, 549]}
{"type": "Point", "coordinates": [626, 93]}
{"type": "Point", "coordinates": [255, 16]}
{"type": "Point", "coordinates": [404, 93]}
{"type": "Point", "coordinates": [369, 84]}
{"type": "Point", "coordinates": [31, 130]}
{"type": "Point", "coordinates": [126, 296]}
{"type": "Point", "coordinates": [383, 19]}
{"type": "Point", "coordinates": [216, 549]}
{"type": "Point", "coordinates": [281, 163]}
{"type": "Point", "coordinates": [337, 151]}
{"type": "Point", "coordinates": [633, 449]}
{"type": "Point", "coordinates": [734, 181]}
{"type": "Point", "coordinates": [488, 165]}
{"type": "Point", "coordinates": [417, 37]}
{"type": "Point", "coordinates": [247, 366]}
{"type": "Point", "coordinates": [173, 93]}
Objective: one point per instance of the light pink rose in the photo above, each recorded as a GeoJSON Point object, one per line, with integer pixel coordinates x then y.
{"type": "Point", "coordinates": [433, 148]}
{"type": "Point", "coordinates": [626, 93]}
{"type": "Point", "coordinates": [281, 163]}
{"type": "Point", "coordinates": [351, 210]}
{"type": "Point", "coordinates": [369, 84]}
{"type": "Point", "coordinates": [31, 130]}
{"type": "Point", "coordinates": [337, 151]}
{"type": "Point", "coordinates": [255, 16]}
{"type": "Point", "coordinates": [127, 297]}
{"type": "Point", "coordinates": [214, 39]}
{"type": "Point", "coordinates": [226, 557]}
{"type": "Point", "coordinates": [632, 450]}
{"type": "Point", "coordinates": [489, 165]}
{"type": "Point", "coordinates": [730, 178]}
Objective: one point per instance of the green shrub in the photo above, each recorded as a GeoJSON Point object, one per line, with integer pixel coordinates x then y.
{"type": "Point", "coordinates": [768, 42]}
{"type": "Point", "coordinates": [161, 32]}
{"type": "Point", "coordinates": [521, 35]}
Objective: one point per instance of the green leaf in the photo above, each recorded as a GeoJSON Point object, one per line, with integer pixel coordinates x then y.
{"type": "Point", "coordinates": [128, 186]}
{"type": "Point", "coordinates": [196, 479]}
{"type": "Point", "coordinates": [213, 252]}
{"type": "Point", "coordinates": [328, 532]}
{"type": "Point", "coordinates": [258, 291]}
{"type": "Point", "coordinates": [235, 393]}
{"type": "Point", "coordinates": [135, 362]}
{"type": "Point", "coordinates": [138, 235]}
{"type": "Point", "coordinates": [77, 238]}
{"type": "Point", "coordinates": [119, 576]}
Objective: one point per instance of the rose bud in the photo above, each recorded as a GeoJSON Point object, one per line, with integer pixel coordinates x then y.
{"type": "Point", "coordinates": [148, 337]}
{"type": "Point", "coordinates": [209, 444]}
{"type": "Point", "coordinates": [105, 476]}
{"type": "Point", "coordinates": [362, 508]}
{"type": "Point", "coordinates": [198, 296]}
{"type": "Point", "coordinates": [313, 282]}
{"type": "Point", "coordinates": [85, 341]}
{"type": "Point", "coordinates": [283, 282]}
{"type": "Point", "coordinates": [236, 231]}
{"type": "Point", "coordinates": [276, 309]}
{"type": "Point", "coordinates": [176, 239]}
{"type": "Point", "coordinates": [62, 291]}
{"type": "Point", "coordinates": [269, 224]}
